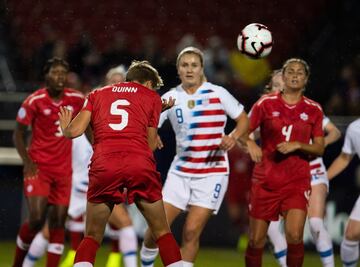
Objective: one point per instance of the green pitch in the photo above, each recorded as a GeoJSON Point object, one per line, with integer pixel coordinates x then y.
{"type": "Point", "coordinates": [208, 257]}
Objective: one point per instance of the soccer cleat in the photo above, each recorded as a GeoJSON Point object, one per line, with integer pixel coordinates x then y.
{"type": "Point", "coordinates": [69, 259]}
{"type": "Point", "coordinates": [114, 259]}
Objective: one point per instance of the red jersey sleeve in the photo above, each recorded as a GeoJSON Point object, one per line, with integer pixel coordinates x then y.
{"type": "Point", "coordinates": [26, 113]}
{"type": "Point", "coordinates": [317, 130]}
{"type": "Point", "coordinates": [89, 102]}
{"type": "Point", "coordinates": [155, 116]}
{"type": "Point", "coordinates": [256, 116]}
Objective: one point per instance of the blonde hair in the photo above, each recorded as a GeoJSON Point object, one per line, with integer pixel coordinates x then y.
{"type": "Point", "coordinates": [269, 85]}
{"type": "Point", "coordinates": [191, 50]}
{"type": "Point", "coordinates": [117, 70]}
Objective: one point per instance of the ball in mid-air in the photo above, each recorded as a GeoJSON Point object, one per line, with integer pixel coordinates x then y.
{"type": "Point", "coordinates": [255, 41]}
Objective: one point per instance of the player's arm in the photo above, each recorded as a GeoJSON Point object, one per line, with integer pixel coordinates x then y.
{"type": "Point", "coordinates": [19, 136]}
{"type": "Point", "coordinates": [315, 149]}
{"type": "Point", "coordinates": [332, 133]}
{"type": "Point", "coordinates": [152, 138]}
{"type": "Point", "coordinates": [339, 164]}
{"type": "Point", "coordinates": [240, 132]}
{"type": "Point", "coordinates": [77, 126]}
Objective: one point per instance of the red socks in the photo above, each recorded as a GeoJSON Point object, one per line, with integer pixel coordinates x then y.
{"type": "Point", "coordinates": [75, 239]}
{"type": "Point", "coordinates": [168, 249]}
{"type": "Point", "coordinates": [86, 251]}
{"type": "Point", "coordinates": [55, 247]}
{"type": "Point", "coordinates": [114, 242]}
{"type": "Point", "coordinates": [253, 257]}
{"type": "Point", "coordinates": [295, 255]}
{"type": "Point", "coordinates": [24, 238]}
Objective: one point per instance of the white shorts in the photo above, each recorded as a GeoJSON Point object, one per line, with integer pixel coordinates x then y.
{"type": "Point", "coordinates": [182, 191]}
{"type": "Point", "coordinates": [77, 206]}
{"type": "Point", "coordinates": [355, 213]}
{"type": "Point", "coordinates": [318, 173]}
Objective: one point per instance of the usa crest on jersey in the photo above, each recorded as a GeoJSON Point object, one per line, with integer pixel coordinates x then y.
{"type": "Point", "coordinates": [191, 103]}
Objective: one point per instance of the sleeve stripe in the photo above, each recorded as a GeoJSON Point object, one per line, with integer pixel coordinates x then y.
{"type": "Point", "coordinates": [32, 99]}
{"type": "Point", "coordinates": [75, 94]}
{"type": "Point", "coordinates": [265, 98]}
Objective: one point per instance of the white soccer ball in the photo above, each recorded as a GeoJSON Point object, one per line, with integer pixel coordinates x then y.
{"type": "Point", "coordinates": [255, 41]}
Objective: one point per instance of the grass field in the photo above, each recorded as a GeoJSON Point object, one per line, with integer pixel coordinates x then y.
{"type": "Point", "coordinates": [208, 257]}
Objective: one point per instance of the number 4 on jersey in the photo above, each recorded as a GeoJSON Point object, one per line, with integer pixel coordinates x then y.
{"type": "Point", "coordinates": [286, 131]}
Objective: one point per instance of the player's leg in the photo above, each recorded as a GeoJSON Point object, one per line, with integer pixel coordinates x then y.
{"type": "Point", "coordinates": [75, 223]}
{"type": "Point", "coordinates": [37, 248]}
{"type": "Point", "coordinates": [320, 234]}
{"type": "Point", "coordinates": [194, 224]}
{"type": "Point", "coordinates": [277, 239]}
{"type": "Point", "coordinates": [257, 238]}
{"type": "Point", "coordinates": [76, 228]}
{"type": "Point", "coordinates": [97, 215]}
{"type": "Point", "coordinates": [206, 197]}
{"type": "Point", "coordinates": [294, 230]}
{"type": "Point", "coordinates": [127, 237]}
{"type": "Point", "coordinates": [28, 230]}
{"type": "Point", "coordinates": [349, 250]}
{"type": "Point", "coordinates": [154, 214]}
{"type": "Point", "coordinates": [176, 195]}
{"type": "Point", "coordinates": [114, 258]}
{"type": "Point", "coordinates": [57, 215]}
{"type": "Point", "coordinates": [149, 249]}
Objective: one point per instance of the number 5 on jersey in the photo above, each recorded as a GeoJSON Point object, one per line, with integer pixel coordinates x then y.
{"type": "Point", "coordinates": [115, 110]}
{"type": "Point", "coordinates": [286, 131]}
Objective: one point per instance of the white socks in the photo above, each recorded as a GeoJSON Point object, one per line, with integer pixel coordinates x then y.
{"type": "Point", "coordinates": [278, 240]}
{"type": "Point", "coordinates": [128, 246]}
{"type": "Point", "coordinates": [322, 241]}
{"type": "Point", "coordinates": [83, 264]}
{"type": "Point", "coordinates": [36, 251]}
{"type": "Point", "coordinates": [148, 256]}
{"type": "Point", "coordinates": [349, 252]}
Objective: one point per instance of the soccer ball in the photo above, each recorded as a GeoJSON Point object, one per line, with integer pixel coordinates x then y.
{"type": "Point", "coordinates": [255, 41]}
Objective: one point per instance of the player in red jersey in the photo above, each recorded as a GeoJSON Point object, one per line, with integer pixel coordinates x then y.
{"type": "Point", "coordinates": [124, 119]}
{"type": "Point", "coordinates": [47, 162]}
{"type": "Point", "coordinates": [281, 177]}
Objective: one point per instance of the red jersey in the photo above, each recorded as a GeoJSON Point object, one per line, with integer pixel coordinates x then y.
{"type": "Point", "coordinates": [120, 116]}
{"type": "Point", "coordinates": [279, 122]}
{"type": "Point", "coordinates": [48, 146]}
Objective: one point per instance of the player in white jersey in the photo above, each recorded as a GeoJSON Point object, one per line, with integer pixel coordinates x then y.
{"type": "Point", "coordinates": [349, 250]}
{"type": "Point", "coordinates": [317, 201]}
{"type": "Point", "coordinates": [198, 176]}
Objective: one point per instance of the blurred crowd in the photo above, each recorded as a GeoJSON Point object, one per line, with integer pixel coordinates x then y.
{"type": "Point", "coordinates": [245, 78]}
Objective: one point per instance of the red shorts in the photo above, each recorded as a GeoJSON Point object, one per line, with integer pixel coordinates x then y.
{"type": "Point", "coordinates": [269, 204]}
{"type": "Point", "coordinates": [110, 174]}
{"type": "Point", "coordinates": [55, 186]}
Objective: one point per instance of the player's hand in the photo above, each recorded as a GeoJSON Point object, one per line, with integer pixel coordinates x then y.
{"type": "Point", "coordinates": [65, 117]}
{"type": "Point", "coordinates": [254, 150]}
{"type": "Point", "coordinates": [227, 143]}
{"type": "Point", "coordinates": [30, 169]}
{"type": "Point", "coordinates": [167, 103]}
{"type": "Point", "coordinates": [160, 144]}
{"type": "Point", "coordinates": [287, 147]}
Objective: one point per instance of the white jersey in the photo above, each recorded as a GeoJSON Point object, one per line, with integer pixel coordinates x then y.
{"type": "Point", "coordinates": [352, 141]}
{"type": "Point", "coordinates": [317, 166]}
{"type": "Point", "coordinates": [198, 121]}
{"type": "Point", "coordinates": [81, 155]}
